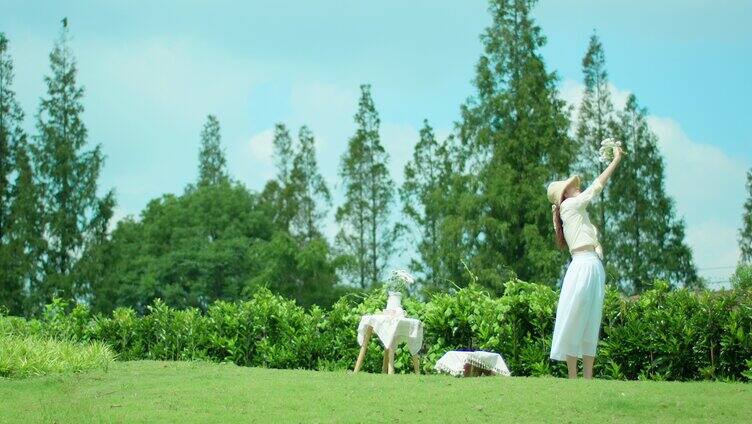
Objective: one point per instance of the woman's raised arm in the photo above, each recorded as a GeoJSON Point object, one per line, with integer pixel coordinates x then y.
{"type": "Point", "coordinates": [606, 174]}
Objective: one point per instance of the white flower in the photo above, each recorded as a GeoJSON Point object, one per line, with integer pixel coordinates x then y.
{"type": "Point", "coordinates": [404, 276]}
{"type": "Point", "coordinates": [399, 281]}
{"type": "Point", "coordinates": [606, 151]}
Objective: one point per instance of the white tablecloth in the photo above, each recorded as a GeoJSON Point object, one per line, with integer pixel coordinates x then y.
{"type": "Point", "coordinates": [393, 330]}
{"type": "Point", "coordinates": [453, 362]}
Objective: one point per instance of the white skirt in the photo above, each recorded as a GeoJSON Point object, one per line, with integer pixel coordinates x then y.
{"type": "Point", "coordinates": [578, 316]}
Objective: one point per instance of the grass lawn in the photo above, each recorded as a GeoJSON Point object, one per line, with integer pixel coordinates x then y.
{"type": "Point", "coordinates": [149, 391]}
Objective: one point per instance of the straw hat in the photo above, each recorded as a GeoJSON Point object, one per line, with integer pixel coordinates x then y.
{"type": "Point", "coordinates": [557, 188]}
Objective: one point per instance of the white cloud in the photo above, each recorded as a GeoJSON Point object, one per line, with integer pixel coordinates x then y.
{"type": "Point", "coordinates": [326, 109]}
{"type": "Point", "coordinates": [118, 214]}
{"type": "Point", "coordinates": [706, 183]}
{"type": "Point", "coordinates": [145, 103]}
{"type": "Point", "coordinates": [261, 146]}
{"type": "Point", "coordinates": [572, 91]}
{"type": "Point", "coordinates": [180, 78]}
{"type": "Point", "coordinates": [324, 104]}
{"type": "Point", "coordinates": [399, 140]}
{"type": "Point", "coordinates": [702, 175]}
{"type": "Point", "coordinates": [708, 186]}
{"type": "Point", "coordinates": [720, 250]}
{"type": "Point", "coordinates": [258, 164]}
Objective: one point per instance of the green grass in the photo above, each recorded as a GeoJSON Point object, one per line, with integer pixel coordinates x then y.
{"type": "Point", "coordinates": [147, 391]}
{"type": "Point", "coordinates": [24, 356]}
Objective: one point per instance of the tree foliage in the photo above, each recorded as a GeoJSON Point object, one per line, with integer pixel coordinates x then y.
{"type": "Point", "coordinates": [67, 174]}
{"type": "Point", "coordinates": [474, 201]}
{"type": "Point", "coordinates": [187, 250]}
{"type": "Point", "coordinates": [311, 194]}
{"type": "Point", "coordinates": [280, 191]}
{"type": "Point", "coordinates": [595, 122]}
{"type": "Point", "coordinates": [21, 243]}
{"type": "Point", "coordinates": [745, 232]}
{"type": "Point", "coordinates": [298, 260]}
{"type": "Point", "coordinates": [650, 242]}
{"type": "Point", "coordinates": [432, 177]}
{"type": "Point", "coordinates": [516, 132]}
{"type": "Point", "coordinates": [212, 162]}
{"type": "Point", "coordinates": [366, 235]}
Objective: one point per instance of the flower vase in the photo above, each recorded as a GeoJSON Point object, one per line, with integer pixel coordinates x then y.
{"type": "Point", "coordinates": [394, 302]}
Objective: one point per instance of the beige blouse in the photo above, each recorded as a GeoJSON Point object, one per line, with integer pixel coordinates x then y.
{"type": "Point", "coordinates": [578, 230]}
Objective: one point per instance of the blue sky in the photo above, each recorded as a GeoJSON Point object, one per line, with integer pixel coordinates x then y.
{"type": "Point", "coordinates": [154, 70]}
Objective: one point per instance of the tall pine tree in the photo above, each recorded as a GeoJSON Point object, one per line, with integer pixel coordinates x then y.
{"type": "Point", "coordinates": [516, 131]}
{"type": "Point", "coordinates": [17, 256]}
{"type": "Point", "coordinates": [67, 174]}
{"type": "Point", "coordinates": [212, 162]}
{"type": "Point", "coordinates": [298, 195]}
{"type": "Point", "coordinates": [26, 245]}
{"type": "Point", "coordinates": [311, 195]}
{"type": "Point", "coordinates": [366, 235]}
{"type": "Point", "coordinates": [278, 192]}
{"type": "Point", "coordinates": [595, 123]}
{"type": "Point", "coordinates": [428, 181]}
{"type": "Point", "coordinates": [298, 259]}
{"type": "Point", "coordinates": [745, 232]}
{"type": "Point", "coordinates": [11, 118]}
{"type": "Point", "coordinates": [448, 205]}
{"type": "Point", "coordinates": [648, 240]}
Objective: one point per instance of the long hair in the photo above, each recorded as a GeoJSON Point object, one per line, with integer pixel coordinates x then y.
{"type": "Point", "coordinates": [561, 242]}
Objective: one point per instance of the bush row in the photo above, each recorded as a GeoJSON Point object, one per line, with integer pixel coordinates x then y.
{"type": "Point", "coordinates": [662, 335]}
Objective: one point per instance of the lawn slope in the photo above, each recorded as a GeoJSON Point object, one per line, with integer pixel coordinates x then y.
{"type": "Point", "coordinates": [148, 391]}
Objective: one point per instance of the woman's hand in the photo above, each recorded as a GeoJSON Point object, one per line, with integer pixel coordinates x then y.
{"type": "Point", "coordinates": [618, 153]}
{"type": "Point", "coordinates": [606, 174]}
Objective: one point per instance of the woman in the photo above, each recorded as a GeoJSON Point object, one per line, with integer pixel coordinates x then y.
{"type": "Point", "coordinates": [578, 316]}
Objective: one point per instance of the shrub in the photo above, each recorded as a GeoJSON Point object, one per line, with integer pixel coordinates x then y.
{"type": "Point", "coordinates": [742, 278]}
{"type": "Point", "coordinates": [663, 334]}
{"type": "Point", "coordinates": [24, 356]}
{"type": "Point", "coordinates": [62, 322]}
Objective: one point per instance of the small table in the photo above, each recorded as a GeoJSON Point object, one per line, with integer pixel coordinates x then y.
{"type": "Point", "coordinates": [391, 330]}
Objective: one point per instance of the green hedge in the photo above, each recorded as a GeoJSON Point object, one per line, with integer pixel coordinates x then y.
{"type": "Point", "coordinates": [662, 335]}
